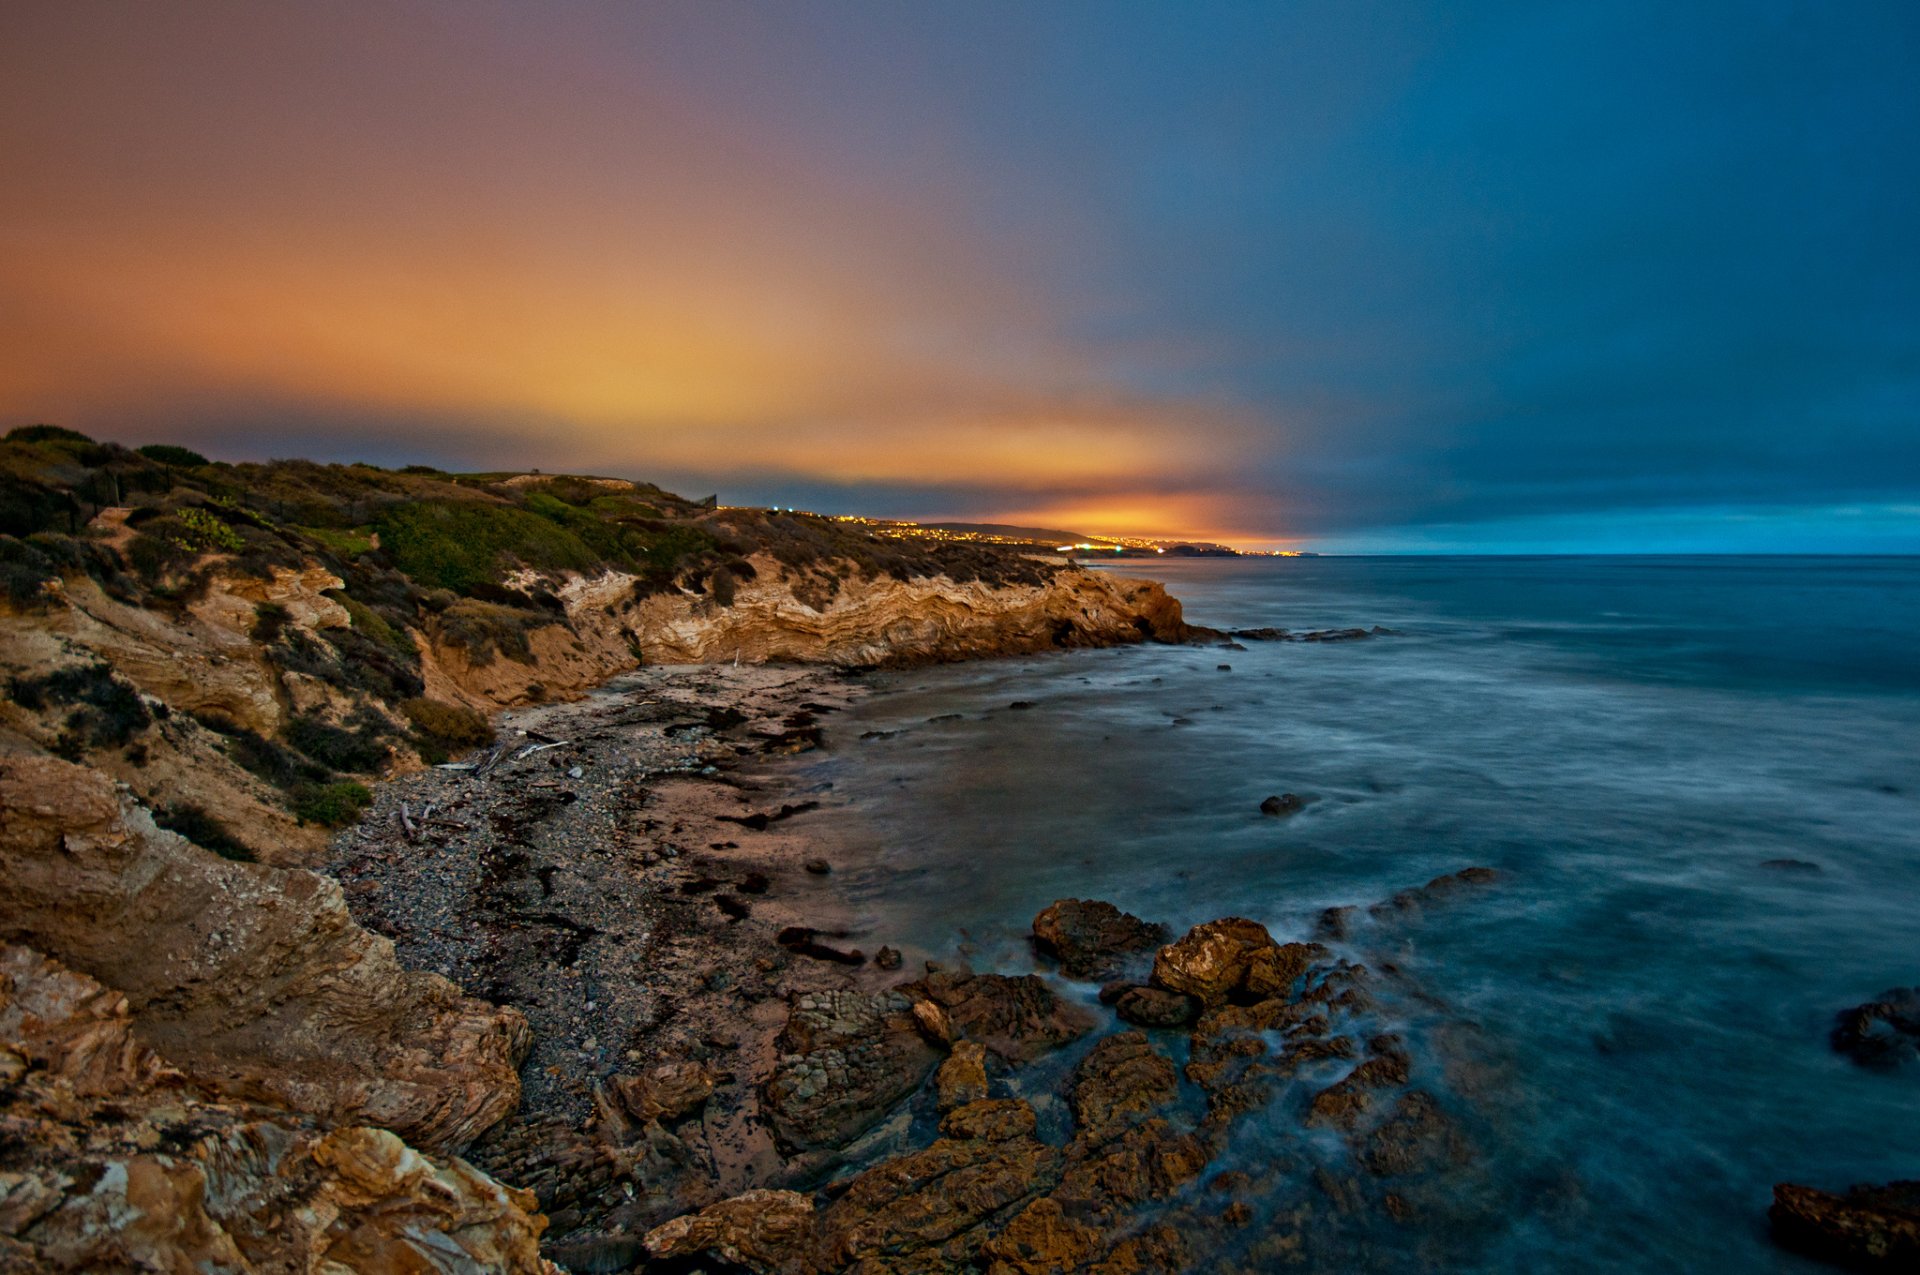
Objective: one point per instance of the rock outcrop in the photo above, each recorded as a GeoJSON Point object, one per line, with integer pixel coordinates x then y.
{"type": "Point", "coordinates": [1870, 1228]}
{"type": "Point", "coordinates": [1092, 939]}
{"type": "Point", "coordinates": [255, 980]}
{"type": "Point", "coordinates": [114, 1160]}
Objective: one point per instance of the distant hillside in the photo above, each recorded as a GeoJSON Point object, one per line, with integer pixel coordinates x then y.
{"type": "Point", "coordinates": [1039, 535]}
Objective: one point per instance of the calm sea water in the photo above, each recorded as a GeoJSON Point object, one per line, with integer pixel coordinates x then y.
{"type": "Point", "coordinates": [1629, 739]}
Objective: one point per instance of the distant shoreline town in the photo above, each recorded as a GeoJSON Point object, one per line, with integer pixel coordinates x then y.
{"type": "Point", "coordinates": [1053, 540]}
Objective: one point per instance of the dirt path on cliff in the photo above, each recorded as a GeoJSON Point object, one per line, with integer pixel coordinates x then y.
{"type": "Point", "coordinates": [617, 871]}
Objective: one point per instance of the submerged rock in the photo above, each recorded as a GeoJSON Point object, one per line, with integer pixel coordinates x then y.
{"type": "Point", "coordinates": [1882, 1033]}
{"type": "Point", "coordinates": [1871, 1228]}
{"type": "Point", "coordinates": [1284, 804]}
{"type": "Point", "coordinates": [1091, 938]}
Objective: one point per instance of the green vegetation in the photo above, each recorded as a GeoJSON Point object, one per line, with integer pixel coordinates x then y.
{"type": "Point", "coordinates": [168, 454]}
{"type": "Point", "coordinates": [442, 729]}
{"type": "Point", "coordinates": [332, 805]}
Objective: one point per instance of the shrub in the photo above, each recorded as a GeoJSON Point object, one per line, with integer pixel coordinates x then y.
{"type": "Point", "coordinates": [454, 726]}
{"type": "Point", "coordinates": [485, 629]}
{"type": "Point", "coordinates": [269, 618]}
{"type": "Point", "coordinates": [360, 748]}
{"type": "Point", "coordinates": [46, 434]}
{"type": "Point", "coordinates": [168, 454]}
{"type": "Point", "coordinates": [201, 828]}
{"type": "Point", "coordinates": [457, 546]}
{"type": "Point", "coordinates": [332, 805]}
{"type": "Point", "coordinates": [107, 711]}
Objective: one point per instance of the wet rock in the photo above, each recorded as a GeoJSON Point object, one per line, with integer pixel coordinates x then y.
{"type": "Point", "coordinates": [1120, 1082]}
{"type": "Point", "coordinates": [1284, 804]}
{"type": "Point", "coordinates": [933, 1210]}
{"type": "Point", "coordinates": [1438, 890]}
{"type": "Point", "coordinates": [887, 958]}
{"type": "Point", "coordinates": [1336, 924]}
{"type": "Point", "coordinates": [1090, 938]}
{"type": "Point", "coordinates": [1882, 1033]}
{"type": "Point", "coordinates": [1018, 1018]}
{"type": "Point", "coordinates": [846, 1059]}
{"type": "Point", "coordinates": [802, 941]}
{"type": "Point", "coordinates": [818, 867]}
{"type": "Point", "coordinates": [1348, 1099]}
{"type": "Point", "coordinates": [670, 1091]}
{"type": "Point", "coordinates": [1232, 957]}
{"type": "Point", "coordinates": [1415, 1137]}
{"type": "Point", "coordinates": [1870, 1228]}
{"type": "Point", "coordinates": [1155, 1007]}
{"type": "Point", "coordinates": [767, 1232]}
{"type": "Point", "coordinates": [962, 1078]}
{"type": "Point", "coordinates": [994, 1119]}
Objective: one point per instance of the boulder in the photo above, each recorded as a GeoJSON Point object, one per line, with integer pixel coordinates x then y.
{"type": "Point", "coordinates": [1155, 1007]}
{"type": "Point", "coordinates": [1870, 1228]}
{"type": "Point", "coordinates": [1018, 1018]}
{"type": "Point", "coordinates": [1212, 961]}
{"type": "Point", "coordinates": [667, 1092]}
{"type": "Point", "coordinates": [962, 1078]}
{"type": "Point", "coordinates": [1092, 939]}
{"type": "Point", "coordinates": [767, 1232]}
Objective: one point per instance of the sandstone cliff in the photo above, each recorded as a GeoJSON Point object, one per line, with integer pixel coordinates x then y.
{"type": "Point", "coordinates": [115, 1160]}
{"type": "Point", "coordinates": [253, 979]}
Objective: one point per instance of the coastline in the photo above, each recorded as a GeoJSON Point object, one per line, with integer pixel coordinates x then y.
{"type": "Point", "coordinates": [612, 879]}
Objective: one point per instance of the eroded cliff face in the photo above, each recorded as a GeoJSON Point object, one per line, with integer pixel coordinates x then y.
{"type": "Point", "coordinates": [253, 979]}
{"type": "Point", "coordinates": [867, 621]}
{"type": "Point", "coordinates": [114, 1159]}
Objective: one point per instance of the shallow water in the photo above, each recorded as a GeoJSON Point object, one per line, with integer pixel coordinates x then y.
{"type": "Point", "coordinates": [1630, 739]}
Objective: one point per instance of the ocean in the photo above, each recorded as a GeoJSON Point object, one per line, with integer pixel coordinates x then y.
{"type": "Point", "coordinates": [1699, 777]}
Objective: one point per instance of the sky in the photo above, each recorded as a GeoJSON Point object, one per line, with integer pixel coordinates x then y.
{"type": "Point", "coordinates": [1403, 277]}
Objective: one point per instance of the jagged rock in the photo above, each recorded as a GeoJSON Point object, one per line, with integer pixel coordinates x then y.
{"type": "Point", "coordinates": [1344, 1102]}
{"type": "Point", "coordinates": [669, 1091]}
{"type": "Point", "coordinates": [768, 1232]}
{"type": "Point", "coordinates": [846, 1058]}
{"type": "Point", "coordinates": [962, 1078]}
{"type": "Point", "coordinates": [933, 1210]}
{"type": "Point", "coordinates": [1872, 1228]}
{"type": "Point", "coordinates": [1017, 1018]}
{"type": "Point", "coordinates": [254, 980]}
{"type": "Point", "coordinates": [994, 1119]}
{"type": "Point", "coordinates": [1120, 1081]}
{"type": "Point", "coordinates": [1415, 1136]}
{"type": "Point", "coordinates": [1882, 1033]}
{"type": "Point", "coordinates": [1091, 939]}
{"type": "Point", "coordinates": [887, 958]}
{"type": "Point", "coordinates": [1154, 1007]}
{"type": "Point", "coordinates": [117, 1161]}
{"type": "Point", "coordinates": [1212, 960]}
{"type": "Point", "coordinates": [1438, 890]}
